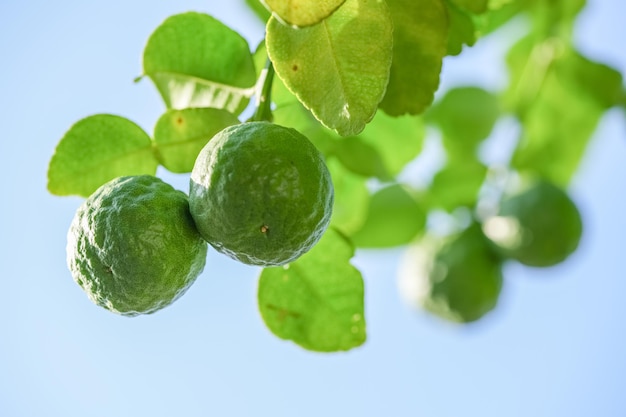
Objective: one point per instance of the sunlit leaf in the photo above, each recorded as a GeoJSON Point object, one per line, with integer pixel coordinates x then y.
{"type": "Point", "coordinates": [394, 218]}
{"type": "Point", "coordinates": [180, 135]}
{"type": "Point", "coordinates": [258, 9]}
{"type": "Point", "coordinates": [559, 97]}
{"type": "Point", "coordinates": [316, 301]}
{"type": "Point", "coordinates": [196, 61]}
{"type": "Point", "coordinates": [336, 68]}
{"type": "Point", "coordinates": [302, 12]}
{"type": "Point", "coordinates": [97, 149]}
{"type": "Point", "coordinates": [420, 39]}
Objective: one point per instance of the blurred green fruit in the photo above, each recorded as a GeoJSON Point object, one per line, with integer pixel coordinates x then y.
{"type": "Point", "coordinates": [457, 278]}
{"type": "Point", "coordinates": [540, 226]}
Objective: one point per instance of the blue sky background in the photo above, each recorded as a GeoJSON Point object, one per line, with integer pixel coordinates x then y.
{"type": "Point", "coordinates": [554, 347]}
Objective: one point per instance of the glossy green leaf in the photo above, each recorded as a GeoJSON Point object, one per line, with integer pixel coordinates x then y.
{"type": "Point", "coordinates": [465, 116]}
{"type": "Point", "coordinates": [196, 61]}
{"type": "Point", "coordinates": [316, 301]}
{"type": "Point", "coordinates": [180, 135]}
{"type": "Point", "coordinates": [97, 149]}
{"type": "Point", "coordinates": [351, 198]}
{"type": "Point", "coordinates": [394, 218]}
{"type": "Point", "coordinates": [336, 68]}
{"type": "Point", "coordinates": [457, 184]}
{"type": "Point", "coordinates": [302, 13]}
{"type": "Point", "coordinates": [420, 40]}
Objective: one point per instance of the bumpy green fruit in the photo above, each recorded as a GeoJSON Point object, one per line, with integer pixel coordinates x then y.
{"type": "Point", "coordinates": [540, 226]}
{"type": "Point", "coordinates": [457, 278]}
{"type": "Point", "coordinates": [261, 193]}
{"type": "Point", "coordinates": [133, 246]}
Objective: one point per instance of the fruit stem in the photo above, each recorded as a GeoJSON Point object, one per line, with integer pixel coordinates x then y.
{"type": "Point", "coordinates": [263, 103]}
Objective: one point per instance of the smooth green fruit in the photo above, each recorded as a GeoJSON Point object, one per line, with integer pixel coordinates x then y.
{"type": "Point", "coordinates": [261, 193]}
{"type": "Point", "coordinates": [458, 278]}
{"type": "Point", "coordinates": [540, 226]}
{"type": "Point", "coordinates": [133, 246]}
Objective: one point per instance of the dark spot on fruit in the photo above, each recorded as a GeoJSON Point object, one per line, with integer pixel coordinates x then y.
{"type": "Point", "coordinates": [179, 120]}
{"type": "Point", "coordinates": [295, 67]}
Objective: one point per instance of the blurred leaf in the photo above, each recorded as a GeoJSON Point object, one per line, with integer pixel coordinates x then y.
{"type": "Point", "coordinates": [472, 6]}
{"type": "Point", "coordinates": [351, 198]}
{"type": "Point", "coordinates": [458, 184]}
{"type": "Point", "coordinates": [316, 301]}
{"type": "Point", "coordinates": [394, 218]}
{"type": "Point", "coordinates": [356, 154]}
{"type": "Point", "coordinates": [466, 116]}
{"type": "Point", "coordinates": [196, 61]}
{"type": "Point", "coordinates": [302, 12]}
{"type": "Point", "coordinates": [96, 150]}
{"type": "Point", "coordinates": [559, 96]}
{"type": "Point", "coordinates": [500, 12]}
{"type": "Point", "coordinates": [462, 30]}
{"type": "Point", "coordinates": [258, 9]}
{"type": "Point", "coordinates": [180, 135]}
{"type": "Point", "coordinates": [419, 44]}
{"type": "Point", "coordinates": [337, 69]}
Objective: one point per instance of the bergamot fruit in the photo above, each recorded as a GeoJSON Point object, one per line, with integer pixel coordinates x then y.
{"type": "Point", "coordinates": [261, 193]}
{"type": "Point", "coordinates": [457, 278]}
{"type": "Point", "coordinates": [133, 246]}
{"type": "Point", "coordinates": [540, 226]}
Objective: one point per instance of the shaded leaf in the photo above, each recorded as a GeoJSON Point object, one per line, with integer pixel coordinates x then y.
{"type": "Point", "coordinates": [462, 30]}
{"type": "Point", "coordinates": [336, 68]}
{"type": "Point", "coordinates": [394, 218]}
{"type": "Point", "coordinates": [351, 198]}
{"type": "Point", "coordinates": [302, 12]}
{"type": "Point", "coordinates": [259, 9]}
{"type": "Point", "coordinates": [420, 39]}
{"type": "Point", "coordinates": [196, 61]}
{"type": "Point", "coordinates": [97, 149]}
{"type": "Point", "coordinates": [466, 116]}
{"type": "Point", "coordinates": [180, 135]}
{"type": "Point", "coordinates": [472, 6]}
{"type": "Point", "coordinates": [316, 301]}
{"type": "Point", "coordinates": [457, 184]}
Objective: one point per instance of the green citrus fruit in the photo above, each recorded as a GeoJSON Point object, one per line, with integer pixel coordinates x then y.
{"type": "Point", "coordinates": [540, 226]}
{"type": "Point", "coordinates": [457, 278]}
{"type": "Point", "coordinates": [133, 246]}
{"type": "Point", "coordinates": [261, 193]}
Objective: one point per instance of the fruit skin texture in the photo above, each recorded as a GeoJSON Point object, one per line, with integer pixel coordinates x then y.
{"type": "Point", "coordinates": [133, 246]}
{"type": "Point", "coordinates": [458, 278]}
{"type": "Point", "coordinates": [548, 224]}
{"type": "Point", "coordinates": [261, 193]}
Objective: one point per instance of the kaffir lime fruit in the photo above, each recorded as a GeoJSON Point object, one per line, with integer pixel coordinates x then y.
{"type": "Point", "coordinates": [540, 226]}
{"type": "Point", "coordinates": [457, 278]}
{"type": "Point", "coordinates": [133, 246]}
{"type": "Point", "coordinates": [261, 193]}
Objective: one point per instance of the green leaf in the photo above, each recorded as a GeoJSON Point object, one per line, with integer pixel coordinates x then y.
{"type": "Point", "coordinates": [472, 6]}
{"type": "Point", "coordinates": [259, 9]}
{"type": "Point", "coordinates": [196, 61]}
{"type": "Point", "coordinates": [420, 40]}
{"type": "Point", "coordinates": [318, 300]}
{"type": "Point", "coordinates": [462, 30]}
{"type": "Point", "coordinates": [394, 218]}
{"type": "Point", "coordinates": [96, 150]}
{"type": "Point", "coordinates": [361, 158]}
{"type": "Point", "coordinates": [466, 116]}
{"type": "Point", "coordinates": [180, 135]}
{"type": "Point", "coordinates": [336, 68]}
{"type": "Point", "coordinates": [351, 198]}
{"type": "Point", "coordinates": [457, 184]}
{"type": "Point", "coordinates": [559, 97]}
{"type": "Point", "coordinates": [302, 13]}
